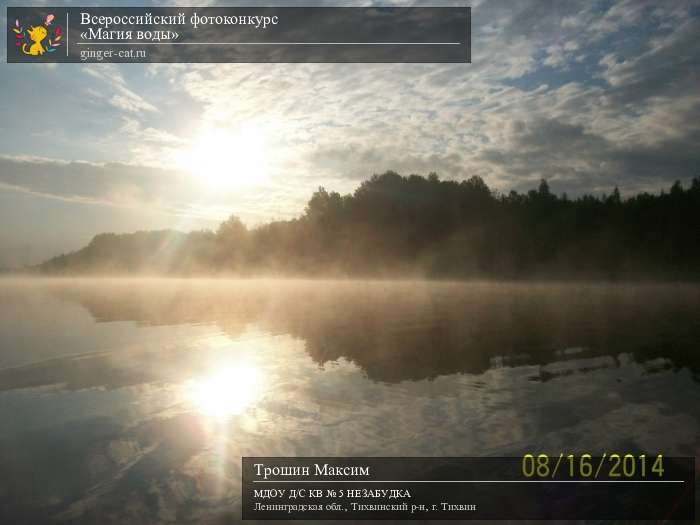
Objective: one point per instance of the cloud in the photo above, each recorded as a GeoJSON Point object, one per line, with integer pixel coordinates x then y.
{"type": "Point", "coordinates": [582, 161]}
{"type": "Point", "coordinates": [589, 95]}
{"type": "Point", "coordinates": [359, 163]}
{"type": "Point", "coordinates": [121, 97]}
{"type": "Point", "coordinates": [347, 122]}
{"type": "Point", "coordinates": [670, 66]}
{"type": "Point", "coordinates": [115, 184]}
{"type": "Point", "coordinates": [141, 187]}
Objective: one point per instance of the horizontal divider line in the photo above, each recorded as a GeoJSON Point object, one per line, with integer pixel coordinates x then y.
{"type": "Point", "coordinates": [481, 481]}
{"type": "Point", "coordinates": [269, 43]}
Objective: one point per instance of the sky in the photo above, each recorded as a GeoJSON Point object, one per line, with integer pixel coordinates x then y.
{"type": "Point", "coordinates": [588, 95]}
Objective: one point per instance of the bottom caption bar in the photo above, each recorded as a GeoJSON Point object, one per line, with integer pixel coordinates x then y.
{"type": "Point", "coordinates": [532, 487]}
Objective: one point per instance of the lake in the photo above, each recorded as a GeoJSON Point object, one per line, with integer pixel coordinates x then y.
{"type": "Point", "coordinates": [133, 400]}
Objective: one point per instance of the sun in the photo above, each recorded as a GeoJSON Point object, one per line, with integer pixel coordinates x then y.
{"type": "Point", "coordinates": [226, 392]}
{"type": "Point", "coordinates": [227, 159]}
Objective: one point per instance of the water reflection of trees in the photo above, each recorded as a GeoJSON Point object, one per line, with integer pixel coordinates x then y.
{"type": "Point", "coordinates": [394, 332]}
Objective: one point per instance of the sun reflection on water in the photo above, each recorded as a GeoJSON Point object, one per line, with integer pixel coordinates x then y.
{"type": "Point", "coordinates": [227, 391]}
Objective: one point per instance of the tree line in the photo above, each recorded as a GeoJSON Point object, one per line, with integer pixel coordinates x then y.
{"type": "Point", "coordinates": [415, 226]}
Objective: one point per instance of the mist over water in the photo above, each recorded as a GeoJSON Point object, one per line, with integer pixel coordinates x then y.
{"type": "Point", "coordinates": [133, 400]}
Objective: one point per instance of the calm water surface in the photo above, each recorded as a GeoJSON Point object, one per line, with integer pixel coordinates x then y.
{"type": "Point", "coordinates": [132, 401]}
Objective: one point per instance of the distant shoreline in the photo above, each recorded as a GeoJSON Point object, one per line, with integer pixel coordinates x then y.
{"type": "Point", "coordinates": [423, 227]}
{"type": "Point", "coordinates": [37, 277]}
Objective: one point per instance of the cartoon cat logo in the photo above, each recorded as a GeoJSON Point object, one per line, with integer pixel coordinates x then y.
{"type": "Point", "coordinates": [36, 35]}
{"type": "Point", "coordinates": [37, 40]}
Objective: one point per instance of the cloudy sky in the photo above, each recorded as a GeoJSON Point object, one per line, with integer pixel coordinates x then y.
{"type": "Point", "coordinates": [588, 95]}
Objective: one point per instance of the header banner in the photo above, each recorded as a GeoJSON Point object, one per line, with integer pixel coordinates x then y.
{"type": "Point", "coordinates": [238, 35]}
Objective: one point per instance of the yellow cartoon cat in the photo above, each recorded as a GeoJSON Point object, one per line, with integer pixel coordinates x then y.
{"type": "Point", "coordinates": [37, 35]}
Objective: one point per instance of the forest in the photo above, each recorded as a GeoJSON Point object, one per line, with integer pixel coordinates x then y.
{"type": "Point", "coordinates": [396, 226]}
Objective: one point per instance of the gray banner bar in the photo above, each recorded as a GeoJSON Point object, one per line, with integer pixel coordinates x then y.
{"type": "Point", "coordinates": [557, 487]}
{"type": "Point", "coordinates": [227, 34]}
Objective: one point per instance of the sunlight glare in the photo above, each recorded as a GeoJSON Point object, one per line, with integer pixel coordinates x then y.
{"type": "Point", "coordinates": [226, 392]}
{"type": "Point", "coordinates": [224, 159]}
